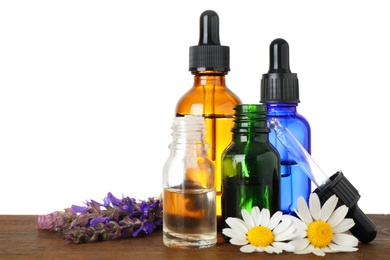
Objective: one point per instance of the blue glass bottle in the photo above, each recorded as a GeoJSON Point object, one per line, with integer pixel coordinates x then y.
{"type": "Point", "coordinates": [280, 93]}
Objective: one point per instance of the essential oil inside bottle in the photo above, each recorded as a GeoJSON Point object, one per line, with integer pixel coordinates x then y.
{"type": "Point", "coordinates": [188, 217]}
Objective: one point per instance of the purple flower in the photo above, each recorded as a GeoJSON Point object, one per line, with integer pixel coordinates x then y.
{"type": "Point", "coordinates": [97, 220]}
{"type": "Point", "coordinates": [79, 209]}
{"type": "Point", "coordinates": [120, 218]}
{"type": "Point", "coordinates": [106, 203]}
{"type": "Point", "coordinates": [125, 204]}
{"type": "Point", "coordinates": [144, 209]}
{"type": "Point", "coordinates": [146, 228]}
{"type": "Point", "coordinates": [155, 204]}
{"type": "Point", "coordinates": [113, 199]}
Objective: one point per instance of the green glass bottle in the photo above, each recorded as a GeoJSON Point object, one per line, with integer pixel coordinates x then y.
{"type": "Point", "coordinates": [250, 165]}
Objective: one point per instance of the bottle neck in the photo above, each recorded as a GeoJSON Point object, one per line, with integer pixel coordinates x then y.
{"type": "Point", "coordinates": [250, 123]}
{"type": "Point", "coordinates": [188, 149]}
{"type": "Point", "coordinates": [244, 132]}
{"type": "Point", "coordinates": [209, 78]}
{"type": "Point", "coordinates": [282, 109]}
{"type": "Point", "coordinates": [188, 136]}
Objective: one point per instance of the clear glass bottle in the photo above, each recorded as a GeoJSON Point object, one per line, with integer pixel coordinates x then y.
{"type": "Point", "coordinates": [280, 93]}
{"type": "Point", "coordinates": [189, 219]}
{"type": "Point", "coordinates": [210, 97]}
{"type": "Point", "coordinates": [250, 165]}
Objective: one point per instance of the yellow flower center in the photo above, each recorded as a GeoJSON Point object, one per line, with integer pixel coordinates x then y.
{"type": "Point", "coordinates": [260, 236]}
{"type": "Point", "coordinates": [319, 233]}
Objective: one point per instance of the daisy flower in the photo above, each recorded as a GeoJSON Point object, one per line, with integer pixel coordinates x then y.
{"type": "Point", "coordinates": [259, 232]}
{"type": "Point", "coordinates": [320, 230]}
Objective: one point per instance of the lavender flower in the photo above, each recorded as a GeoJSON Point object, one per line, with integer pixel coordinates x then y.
{"type": "Point", "coordinates": [146, 228]}
{"type": "Point", "coordinates": [114, 218]}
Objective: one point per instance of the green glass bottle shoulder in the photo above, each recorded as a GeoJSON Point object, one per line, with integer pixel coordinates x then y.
{"type": "Point", "coordinates": [241, 160]}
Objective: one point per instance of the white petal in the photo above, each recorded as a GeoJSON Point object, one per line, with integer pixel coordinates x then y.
{"type": "Point", "coordinates": [276, 250]}
{"type": "Point", "coordinates": [345, 225]}
{"type": "Point", "coordinates": [238, 242]}
{"type": "Point", "coordinates": [299, 224]}
{"type": "Point", "coordinates": [303, 211]}
{"type": "Point", "coordinates": [275, 219]}
{"type": "Point", "coordinates": [345, 240]}
{"type": "Point", "coordinates": [286, 235]}
{"type": "Point", "coordinates": [328, 207]}
{"type": "Point", "coordinates": [256, 215]}
{"type": "Point", "coordinates": [237, 224]}
{"type": "Point", "coordinates": [269, 249]}
{"type": "Point", "coordinates": [247, 249]}
{"type": "Point", "coordinates": [326, 249]}
{"type": "Point", "coordinates": [318, 251]}
{"type": "Point", "coordinates": [337, 216]}
{"type": "Point", "coordinates": [337, 248]}
{"type": "Point", "coordinates": [233, 233]}
{"type": "Point", "coordinates": [284, 246]}
{"type": "Point", "coordinates": [260, 249]}
{"type": "Point", "coordinates": [299, 234]}
{"type": "Point", "coordinates": [306, 250]}
{"type": "Point", "coordinates": [315, 206]}
{"type": "Point", "coordinates": [265, 215]}
{"type": "Point", "coordinates": [282, 226]}
{"type": "Point", "coordinates": [300, 244]}
{"type": "Point", "coordinates": [247, 219]}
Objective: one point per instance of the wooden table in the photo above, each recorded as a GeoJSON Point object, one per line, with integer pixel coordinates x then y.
{"type": "Point", "coordinates": [21, 239]}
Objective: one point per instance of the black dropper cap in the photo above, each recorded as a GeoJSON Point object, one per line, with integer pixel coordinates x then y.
{"type": "Point", "coordinates": [279, 85]}
{"type": "Point", "coordinates": [364, 229]}
{"type": "Point", "coordinates": [209, 54]}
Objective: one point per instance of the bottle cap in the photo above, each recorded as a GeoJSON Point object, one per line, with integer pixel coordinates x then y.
{"type": "Point", "coordinates": [209, 54]}
{"type": "Point", "coordinates": [279, 85]}
{"type": "Point", "coordinates": [364, 229]}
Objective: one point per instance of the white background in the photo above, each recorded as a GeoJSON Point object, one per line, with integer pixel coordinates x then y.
{"type": "Point", "coordinates": [88, 90]}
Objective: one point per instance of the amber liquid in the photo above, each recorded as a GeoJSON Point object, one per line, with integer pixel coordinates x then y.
{"type": "Point", "coordinates": [218, 136]}
{"type": "Point", "coordinates": [189, 218]}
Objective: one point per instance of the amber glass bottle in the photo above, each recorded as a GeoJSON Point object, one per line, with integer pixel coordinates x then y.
{"type": "Point", "coordinates": [209, 97]}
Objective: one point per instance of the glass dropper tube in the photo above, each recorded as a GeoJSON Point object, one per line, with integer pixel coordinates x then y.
{"type": "Point", "coordinates": [299, 153]}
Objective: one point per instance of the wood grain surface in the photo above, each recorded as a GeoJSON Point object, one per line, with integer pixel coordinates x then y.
{"type": "Point", "coordinates": [20, 238]}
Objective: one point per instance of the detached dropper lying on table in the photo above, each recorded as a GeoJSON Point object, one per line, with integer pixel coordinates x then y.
{"type": "Point", "coordinates": [364, 229]}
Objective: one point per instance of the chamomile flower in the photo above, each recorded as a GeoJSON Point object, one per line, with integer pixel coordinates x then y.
{"type": "Point", "coordinates": [259, 232]}
{"type": "Point", "coordinates": [321, 229]}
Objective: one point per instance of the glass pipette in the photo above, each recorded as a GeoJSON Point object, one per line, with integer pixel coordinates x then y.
{"type": "Point", "coordinates": [299, 153]}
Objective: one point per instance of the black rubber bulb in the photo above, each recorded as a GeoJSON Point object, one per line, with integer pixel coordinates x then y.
{"type": "Point", "coordinates": [279, 57]}
{"type": "Point", "coordinates": [209, 28]}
